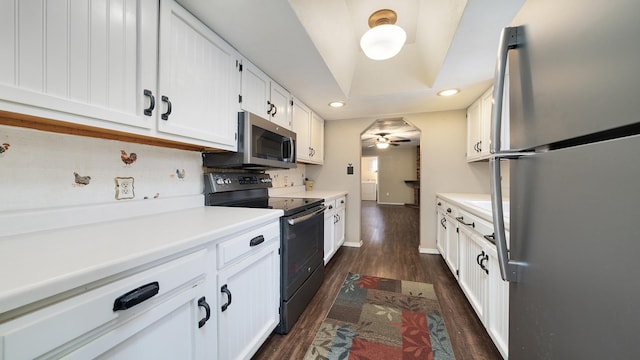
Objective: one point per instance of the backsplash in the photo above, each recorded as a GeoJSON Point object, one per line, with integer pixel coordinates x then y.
{"type": "Point", "coordinates": [47, 170]}
{"type": "Point", "coordinates": [288, 177]}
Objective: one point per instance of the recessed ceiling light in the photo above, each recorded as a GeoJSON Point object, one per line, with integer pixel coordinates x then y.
{"type": "Point", "coordinates": [337, 104]}
{"type": "Point", "coordinates": [448, 92]}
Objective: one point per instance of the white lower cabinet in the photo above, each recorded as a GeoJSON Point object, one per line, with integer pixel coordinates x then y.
{"type": "Point", "coordinates": [157, 313]}
{"type": "Point", "coordinates": [248, 291]}
{"type": "Point", "coordinates": [329, 230]}
{"type": "Point", "coordinates": [334, 226]}
{"type": "Point", "coordinates": [477, 269]}
{"type": "Point", "coordinates": [473, 278]}
{"type": "Point", "coordinates": [447, 235]}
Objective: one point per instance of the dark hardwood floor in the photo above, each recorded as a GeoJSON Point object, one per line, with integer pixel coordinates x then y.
{"type": "Point", "coordinates": [391, 237]}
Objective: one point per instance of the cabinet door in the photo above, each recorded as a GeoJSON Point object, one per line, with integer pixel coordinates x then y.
{"type": "Point", "coordinates": [281, 101]}
{"type": "Point", "coordinates": [198, 80]}
{"type": "Point", "coordinates": [485, 138]}
{"type": "Point", "coordinates": [340, 227]}
{"type": "Point", "coordinates": [301, 118]}
{"type": "Point", "coordinates": [474, 130]}
{"type": "Point", "coordinates": [498, 304]}
{"type": "Point", "coordinates": [451, 254]}
{"type": "Point", "coordinates": [441, 233]}
{"type": "Point", "coordinates": [250, 290]}
{"type": "Point", "coordinates": [256, 90]}
{"type": "Point", "coordinates": [329, 233]}
{"type": "Point", "coordinates": [317, 139]}
{"type": "Point", "coordinates": [473, 279]}
{"type": "Point", "coordinates": [78, 61]}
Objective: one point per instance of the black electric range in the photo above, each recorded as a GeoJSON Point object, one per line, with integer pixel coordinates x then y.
{"type": "Point", "coordinates": [252, 191]}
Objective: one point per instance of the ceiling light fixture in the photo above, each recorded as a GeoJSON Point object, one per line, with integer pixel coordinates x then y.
{"type": "Point", "coordinates": [382, 142]}
{"type": "Point", "coordinates": [385, 39]}
{"type": "Point", "coordinates": [448, 92]}
{"type": "Point", "coordinates": [337, 104]}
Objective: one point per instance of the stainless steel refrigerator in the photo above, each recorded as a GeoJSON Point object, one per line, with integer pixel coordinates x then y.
{"type": "Point", "coordinates": [573, 261]}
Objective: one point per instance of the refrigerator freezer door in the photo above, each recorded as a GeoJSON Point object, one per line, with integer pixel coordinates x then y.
{"type": "Point", "coordinates": [577, 71]}
{"type": "Point", "coordinates": [575, 223]}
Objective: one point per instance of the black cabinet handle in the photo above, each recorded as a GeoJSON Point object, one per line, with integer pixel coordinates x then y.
{"type": "Point", "coordinates": [202, 302]}
{"type": "Point", "coordinates": [165, 116]}
{"type": "Point", "coordinates": [269, 108]}
{"type": "Point", "coordinates": [152, 104]}
{"type": "Point", "coordinates": [443, 222]}
{"type": "Point", "coordinates": [449, 210]}
{"type": "Point", "coordinates": [482, 265]}
{"type": "Point", "coordinates": [439, 203]}
{"type": "Point", "coordinates": [274, 109]}
{"type": "Point", "coordinates": [256, 240]}
{"type": "Point", "coordinates": [224, 290]}
{"type": "Point", "coordinates": [461, 219]}
{"type": "Point", "coordinates": [491, 238]}
{"type": "Point", "coordinates": [136, 296]}
{"type": "Point", "coordinates": [478, 258]}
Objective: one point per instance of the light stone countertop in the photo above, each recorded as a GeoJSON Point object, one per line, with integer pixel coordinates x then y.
{"type": "Point", "coordinates": [38, 265]}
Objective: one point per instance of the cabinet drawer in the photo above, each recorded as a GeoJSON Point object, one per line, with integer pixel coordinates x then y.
{"type": "Point", "coordinates": [247, 243]}
{"type": "Point", "coordinates": [341, 202]}
{"type": "Point", "coordinates": [75, 321]}
{"type": "Point", "coordinates": [479, 225]}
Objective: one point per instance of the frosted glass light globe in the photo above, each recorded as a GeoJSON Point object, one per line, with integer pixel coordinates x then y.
{"type": "Point", "coordinates": [383, 41]}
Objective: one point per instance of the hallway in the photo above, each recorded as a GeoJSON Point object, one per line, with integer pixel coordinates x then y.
{"type": "Point", "coordinates": [390, 235]}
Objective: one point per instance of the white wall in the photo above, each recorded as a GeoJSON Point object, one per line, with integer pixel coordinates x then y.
{"type": "Point", "coordinates": [37, 170]}
{"type": "Point", "coordinates": [443, 166]}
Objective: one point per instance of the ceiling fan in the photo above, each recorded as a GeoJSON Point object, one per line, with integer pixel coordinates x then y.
{"type": "Point", "coordinates": [382, 141]}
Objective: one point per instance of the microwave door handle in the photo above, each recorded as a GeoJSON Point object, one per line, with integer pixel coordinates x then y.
{"type": "Point", "coordinates": [292, 145]}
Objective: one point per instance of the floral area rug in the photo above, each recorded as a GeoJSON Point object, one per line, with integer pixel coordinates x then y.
{"type": "Point", "coordinates": [378, 318]}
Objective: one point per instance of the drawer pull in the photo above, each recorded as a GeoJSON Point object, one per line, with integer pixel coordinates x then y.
{"type": "Point", "coordinates": [461, 219]}
{"type": "Point", "coordinates": [256, 240]}
{"type": "Point", "coordinates": [202, 302]}
{"type": "Point", "coordinates": [491, 238]}
{"type": "Point", "coordinates": [136, 296]}
{"type": "Point", "coordinates": [224, 290]}
{"type": "Point", "coordinates": [165, 116]}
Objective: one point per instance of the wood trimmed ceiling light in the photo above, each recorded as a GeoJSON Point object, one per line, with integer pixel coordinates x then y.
{"type": "Point", "coordinates": [384, 39]}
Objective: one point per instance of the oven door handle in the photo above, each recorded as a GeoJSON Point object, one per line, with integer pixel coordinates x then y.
{"type": "Point", "coordinates": [303, 218]}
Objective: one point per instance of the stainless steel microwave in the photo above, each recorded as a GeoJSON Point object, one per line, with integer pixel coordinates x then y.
{"type": "Point", "coordinates": [261, 145]}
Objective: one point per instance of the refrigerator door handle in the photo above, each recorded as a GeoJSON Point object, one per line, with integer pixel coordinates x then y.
{"type": "Point", "coordinates": [510, 38]}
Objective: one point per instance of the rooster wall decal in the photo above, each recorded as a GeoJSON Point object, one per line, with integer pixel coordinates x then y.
{"type": "Point", "coordinates": [4, 147]}
{"type": "Point", "coordinates": [82, 180]}
{"type": "Point", "coordinates": [128, 159]}
{"type": "Point", "coordinates": [180, 174]}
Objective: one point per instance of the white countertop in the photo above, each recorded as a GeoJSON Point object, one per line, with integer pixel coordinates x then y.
{"type": "Point", "coordinates": [477, 204]}
{"type": "Point", "coordinates": [301, 192]}
{"type": "Point", "coordinates": [38, 265]}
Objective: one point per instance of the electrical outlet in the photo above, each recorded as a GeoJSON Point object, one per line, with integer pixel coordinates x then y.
{"type": "Point", "coordinates": [124, 188]}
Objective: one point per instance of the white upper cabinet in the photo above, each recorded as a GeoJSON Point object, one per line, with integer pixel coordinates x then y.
{"type": "Point", "coordinates": [264, 97]}
{"type": "Point", "coordinates": [78, 61]}
{"type": "Point", "coordinates": [317, 139]}
{"type": "Point", "coordinates": [309, 129]}
{"type": "Point", "coordinates": [120, 65]}
{"type": "Point", "coordinates": [301, 118]}
{"type": "Point", "coordinates": [198, 80]}
{"type": "Point", "coordinates": [479, 125]}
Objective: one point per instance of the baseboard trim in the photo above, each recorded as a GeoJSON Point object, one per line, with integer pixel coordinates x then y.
{"type": "Point", "coordinates": [352, 244]}
{"type": "Point", "coordinates": [432, 251]}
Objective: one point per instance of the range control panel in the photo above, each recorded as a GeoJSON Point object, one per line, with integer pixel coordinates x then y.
{"type": "Point", "coordinates": [220, 182]}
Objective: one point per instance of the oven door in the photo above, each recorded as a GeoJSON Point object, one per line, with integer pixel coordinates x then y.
{"type": "Point", "coordinates": [302, 247]}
